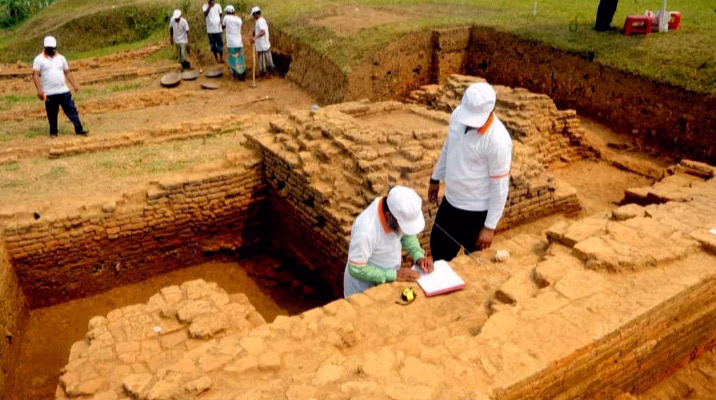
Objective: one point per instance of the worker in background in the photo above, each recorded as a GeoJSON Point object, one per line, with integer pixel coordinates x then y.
{"type": "Point", "coordinates": [261, 42]}
{"type": "Point", "coordinates": [475, 165]}
{"type": "Point", "coordinates": [232, 25]}
{"type": "Point", "coordinates": [179, 36]}
{"type": "Point", "coordinates": [378, 236]}
{"type": "Point", "coordinates": [48, 72]}
{"type": "Point", "coordinates": [605, 14]}
{"type": "Point", "coordinates": [212, 13]}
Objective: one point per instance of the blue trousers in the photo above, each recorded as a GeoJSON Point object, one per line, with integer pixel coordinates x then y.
{"type": "Point", "coordinates": [52, 106]}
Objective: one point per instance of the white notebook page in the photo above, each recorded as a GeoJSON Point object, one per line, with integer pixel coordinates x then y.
{"type": "Point", "coordinates": [442, 279]}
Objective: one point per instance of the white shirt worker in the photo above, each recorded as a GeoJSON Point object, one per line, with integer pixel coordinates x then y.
{"type": "Point", "coordinates": [180, 30]}
{"type": "Point", "coordinates": [233, 31]}
{"type": "Point", "coordinates": [213, 19]}
{"type": "Point", "coordinates": [52, 73]}
{"type": "Point", "coordinates": [374, 253]}
{"type": "Point", "coordinates": [262, 43]}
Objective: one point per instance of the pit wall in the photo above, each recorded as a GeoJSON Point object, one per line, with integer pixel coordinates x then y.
{"type": "Point", "coordinates": [659, 116]}
{"type": "Point", "coordinates": [313, 72]}
{"type": "Point", "coordinates": [13, 311]}
{"type": "Point", "coordinates": [168, 226]}
{"type": "Point", "coordinates": [301, 225]}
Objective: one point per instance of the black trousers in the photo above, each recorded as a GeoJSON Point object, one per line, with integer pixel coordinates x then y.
{"type": "Point", "coordinates": [463, 226]}
{"type": "Point", "coordinates": [52, 106]}
{"type": "Point", "coordinates": [605, 13]}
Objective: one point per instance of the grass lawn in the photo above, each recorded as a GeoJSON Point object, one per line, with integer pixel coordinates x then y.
{"type": "Point", "coordinates": [105, 173]}
{"type": "Point", "coordinates": [684, 58]}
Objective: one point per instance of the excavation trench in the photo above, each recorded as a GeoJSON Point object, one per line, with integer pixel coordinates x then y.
{"type": "Point", "coordinates": [256, 226]}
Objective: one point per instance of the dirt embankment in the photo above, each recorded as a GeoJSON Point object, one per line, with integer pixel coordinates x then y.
{"type": "Point", "coordinates": [660, 117]}
{"type": "Point", "coordinates": [673, 120]}
{"type": "Point", "coordinates": [315, 73]}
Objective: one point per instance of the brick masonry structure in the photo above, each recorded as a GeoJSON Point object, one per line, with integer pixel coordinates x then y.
{"type": "Point", "coordinates": [324, 167]}
{"type": "Point", "coordinates": [531, 118]}
{"type": "Point", "coordinates": [166, 226]}
{"type": "Point", "coordinates": [546, 323]}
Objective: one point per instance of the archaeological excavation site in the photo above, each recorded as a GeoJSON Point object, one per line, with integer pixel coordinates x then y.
{"type": "Point", "coordinates": [194, 245]}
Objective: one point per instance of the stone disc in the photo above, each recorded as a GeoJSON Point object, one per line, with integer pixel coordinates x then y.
{"type": "Point", "coordinates": [171, 79]}
{"type": "Point", "coordinates": [190, 75]}
{"type": "Point", "coordinates": [210, 85]}
{"type": "Point", "coordinates": [214, 72]}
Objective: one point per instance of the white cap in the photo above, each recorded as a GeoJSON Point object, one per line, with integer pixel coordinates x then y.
{"type": "Point", "coordinates": [477, 104]}
{"type": "Point", "coordinates": [255, 10]}
{"type": "Point", "coordinates": [229, 9]}
{"type": "Point", "coordinates": [177, 14]}
{"type": "Point", "coordinates": [50, 42]}
{"type": "Point", "coordinates": [406, 206]}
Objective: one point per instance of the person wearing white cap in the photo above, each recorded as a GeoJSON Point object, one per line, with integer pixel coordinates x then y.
{"type": "Point", "coordinates": [212, 14]}
{"type": "Point", "coordinates": [378, 236]}
{"type": "Point", "coordinates": [49, 71]}
{"type": "Point", "coordinates": [475, 165]}
{"type": "Point", "coordinates": [179, 36]}
{"type": "Point", "coordinates": [232, 24]}
{"type": "Point", "coordinates": [261, 42]}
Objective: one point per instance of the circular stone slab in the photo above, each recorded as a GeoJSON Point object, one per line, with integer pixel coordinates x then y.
{"type": "Point", "coordinates": [210, 85]}
{"type": "Point", "coordinates": [190, 75]}
{"type": "Point", "coordinates": [214, 72]}
{"type": "Point", "coordinates": [171, 79]}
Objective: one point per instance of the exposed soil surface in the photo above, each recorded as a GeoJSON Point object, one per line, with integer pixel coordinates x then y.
{"type": "Point", "coordinates": [349, 20]}
{"type": "Point", "coordinates": [51, 331]}
{"type": "Point", "coordinates": [599, 186]}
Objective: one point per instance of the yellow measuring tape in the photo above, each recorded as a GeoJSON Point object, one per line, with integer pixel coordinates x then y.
{"type": "Point", "coordinates": [407, 296]}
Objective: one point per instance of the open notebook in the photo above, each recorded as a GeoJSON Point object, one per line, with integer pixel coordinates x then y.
{"type": "Point", "coordinates": [442, 280]}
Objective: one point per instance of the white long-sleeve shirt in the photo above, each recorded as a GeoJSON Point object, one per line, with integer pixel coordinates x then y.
{"type": "Point", "coordinates": [475, 165]}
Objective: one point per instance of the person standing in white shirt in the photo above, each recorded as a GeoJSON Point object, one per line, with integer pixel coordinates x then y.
{"type": "Point", "coordinates": [48, 73]}
{"type": "Point", "coordinates": [261, 42]}
{"type": "Point", "coordinates": [232, 24]}
{"type": "Point", "coordinates": [475, 165]}
{"type": "Point", "coordinates": [179, 36]}
{"type": "Point", "coordinates": [212, 13]}
{"type": "Point", "coordinates": [378, 236]}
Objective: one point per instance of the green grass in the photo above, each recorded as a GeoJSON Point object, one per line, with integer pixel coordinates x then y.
{"type": "Point", "coordinates": [684, 58]}
{"type": "Point", "coordinates": [86, 176]}
{"type": "Point", "coordinates": [9, 100]}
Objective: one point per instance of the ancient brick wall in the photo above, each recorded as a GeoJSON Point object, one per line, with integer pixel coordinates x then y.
{"type": "Point", "coordinates": [323, 168]}
{"type": "Point", "coordinates": [300, 223]}
{"type": "Point", "coordinates": [12, 314]}
{"type": "Point", "coordinates": [168, 226]}
{"type": "Point", "coordinates": [565, 332]}
{"type": "Point", "coordinates": [531, 118]}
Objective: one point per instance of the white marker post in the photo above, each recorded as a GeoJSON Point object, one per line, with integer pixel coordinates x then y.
{"type": "Point", "coordinates": [664, 19]}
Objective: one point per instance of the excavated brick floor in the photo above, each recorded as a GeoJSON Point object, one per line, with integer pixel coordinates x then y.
{"type": "Point", "coordinates": [610, 304]}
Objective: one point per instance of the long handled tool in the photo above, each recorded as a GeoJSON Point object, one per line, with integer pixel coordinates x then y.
{"type": "Point", "coordinates": [253, 69]}
{"type": "Point", "coordinates": [196, 60]}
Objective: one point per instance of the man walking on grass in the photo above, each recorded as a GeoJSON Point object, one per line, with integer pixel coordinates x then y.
{"type": "Point", "coordinates": [475, 165]}
{"type": "Point", "coordinates": [179, 35]}
{"type": "Point", "coordinates": [235, 43]}
{"type": "Point", "coordinates": [378, 236]}
{"type": "Point", "coordinates": [261, 42]}
{"type": "Point", "coordinates": [212, 13]}
{"type": "Point", "coordinates": [48, 72]}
